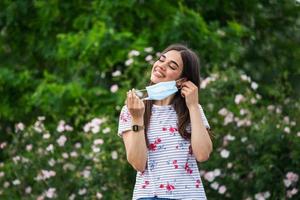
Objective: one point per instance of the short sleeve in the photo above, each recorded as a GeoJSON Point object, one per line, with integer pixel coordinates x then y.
{"type": "Point", "coordinates": [124, 121]}
{"type": "Point", "coordinates": [205, 122]}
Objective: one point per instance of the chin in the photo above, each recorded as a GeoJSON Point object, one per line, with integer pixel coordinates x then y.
{"type": "Point", "coordinates": [154, 79]}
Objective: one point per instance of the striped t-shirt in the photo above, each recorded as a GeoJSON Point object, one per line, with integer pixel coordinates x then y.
{"type": "Point", "coordinates": [172, 170]}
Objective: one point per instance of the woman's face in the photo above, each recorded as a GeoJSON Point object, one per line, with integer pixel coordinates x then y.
{"type": "Point", "coordinates": [167, 68]}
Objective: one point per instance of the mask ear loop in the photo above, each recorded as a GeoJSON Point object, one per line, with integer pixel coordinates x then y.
{"type": "Point", "coordinates": [141, 91]}
{"type": "Point", "coordinates": [179, 81]}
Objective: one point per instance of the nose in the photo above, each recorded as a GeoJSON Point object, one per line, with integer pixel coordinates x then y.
{"type": "Point", "coordinates": [162, 66]}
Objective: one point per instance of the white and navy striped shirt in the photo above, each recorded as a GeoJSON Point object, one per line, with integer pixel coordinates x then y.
{"type": "Point", "coordinates": [172, 170]}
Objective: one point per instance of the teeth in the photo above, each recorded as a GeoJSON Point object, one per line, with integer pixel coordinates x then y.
{"type": "Point", "coordinates": [160, 74]}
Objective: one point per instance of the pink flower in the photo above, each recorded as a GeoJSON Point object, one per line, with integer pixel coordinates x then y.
{"type": "Point", "coordinates": [209, 176]}
{"type": "Point", "coordinates": [114, 88]}
{"type": "Point", "coordinates": [292, 192]}
{"type": "Point", "coordinates": [239, 98]}
{"type": "Point", "coordinates": [61, 140]}
{"type": "Point", "coordinates": [225, 153]}
{"type": "Point", "coordinates": [290, 179]}
{"type": "Point", "coordinates": [222, 189]}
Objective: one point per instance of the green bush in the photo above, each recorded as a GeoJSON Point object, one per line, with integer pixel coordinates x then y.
{"type": "Point", "coordinates": [87, 163]}
{"type": "Point", "coordinates": [75, 61]}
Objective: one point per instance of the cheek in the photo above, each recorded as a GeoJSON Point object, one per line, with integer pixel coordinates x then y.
{"type": "Point", "coordinates": [174, 74]}
{"type": "Point", "coordinates": [153, 66]}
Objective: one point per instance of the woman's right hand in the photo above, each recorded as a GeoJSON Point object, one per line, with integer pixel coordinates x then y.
{"type": "Point", "coordinates": [135, 105]}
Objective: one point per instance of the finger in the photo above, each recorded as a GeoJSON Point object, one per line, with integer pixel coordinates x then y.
{"type": "Point", "coordinates": [135, 99]}
{"type": "Point", "coordinates": [140, 102]}
{"type": "Point", "coordinates": [189, 84]}
{"type": "Point", "coordinates": [134, 93]}
{"type": "Point", "coordinates": [130, 98]}
{"type": "Point", "coordinates": [186, 89]}
{"type": "Point", "coordinates": [185, 85]}
{"type": "Point", "coordinates": [183, 93]}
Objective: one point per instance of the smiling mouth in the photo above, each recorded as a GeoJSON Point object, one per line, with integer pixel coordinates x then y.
{"type": "Point", "coordinates": [158, 74]}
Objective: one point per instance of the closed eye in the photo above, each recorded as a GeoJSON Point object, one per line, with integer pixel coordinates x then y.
{"type": "Point", "coordinates": [173, 65]}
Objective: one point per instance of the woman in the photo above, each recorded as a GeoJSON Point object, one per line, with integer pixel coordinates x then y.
{"type": "Point", "coordinates": [164, 138]}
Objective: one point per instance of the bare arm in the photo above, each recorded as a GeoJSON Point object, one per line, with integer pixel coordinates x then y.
{"type": "Point", "coordinates": [135, 144]}
{"type": "Point", "coordinates": [200, 139]}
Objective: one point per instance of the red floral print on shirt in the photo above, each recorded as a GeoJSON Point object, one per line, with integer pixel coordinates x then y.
{"type": "Point", "coordinates": [146, 183]}
{"type": "Point", "coordinates": [187, 168]}
{"type": "Point", "coordinates": [175, 164]}
{"type": "Point", "coordinates": [198, 182]}
{"type": "Point", "coordinates": [141, 173]}
{"type": "Point", "coordinates": [124, 116]}
{"type": "Point", "coordinates": [169, 188]}
{"type": "Point", "coordinates": [168, 154]}
{"type": "Point", "coordinates": [153, 146]}
{"type": "Point", "coordinates": [172, 130]}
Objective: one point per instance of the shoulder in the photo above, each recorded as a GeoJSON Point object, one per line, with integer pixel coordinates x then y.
{"type": "Point", "coordinates": [124, 114]}
{"type": "Point", "coordinates": [124, 108]}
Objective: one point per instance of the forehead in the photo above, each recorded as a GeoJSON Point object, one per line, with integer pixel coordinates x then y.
{"type": "Point", "coordinates": [175, 56]}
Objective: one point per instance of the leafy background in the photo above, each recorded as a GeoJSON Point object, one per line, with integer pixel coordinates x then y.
{"type": "Point", "coordinates": [65, 67]}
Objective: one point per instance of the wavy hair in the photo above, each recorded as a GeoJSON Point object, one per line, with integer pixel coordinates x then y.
{"type": "Point", "coordinates": [191, 71]}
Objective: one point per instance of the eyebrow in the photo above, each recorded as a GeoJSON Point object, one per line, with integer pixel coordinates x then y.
{"type": "Point", "coordinates": [172, 61]}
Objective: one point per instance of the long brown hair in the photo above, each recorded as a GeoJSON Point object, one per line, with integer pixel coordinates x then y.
{"type": "Point", "coordinates": [191, 71]}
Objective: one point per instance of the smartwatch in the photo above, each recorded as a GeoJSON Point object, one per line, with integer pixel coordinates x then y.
{"type": "Point", "coordinates": [137, 128]}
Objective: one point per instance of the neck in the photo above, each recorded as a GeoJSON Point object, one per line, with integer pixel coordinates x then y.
{"type": "Point", "coordinates": [164, 102]}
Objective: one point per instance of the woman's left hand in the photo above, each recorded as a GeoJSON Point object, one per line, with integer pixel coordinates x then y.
{"type": "Point", "coordinates": [189, 91]}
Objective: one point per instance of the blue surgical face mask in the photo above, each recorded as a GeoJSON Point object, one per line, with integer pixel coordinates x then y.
{"type": "Point", "coordinates": [161, 90]}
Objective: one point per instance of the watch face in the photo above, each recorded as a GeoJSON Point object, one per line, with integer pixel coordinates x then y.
{"type": "Point", "coordinates": [135, 127]}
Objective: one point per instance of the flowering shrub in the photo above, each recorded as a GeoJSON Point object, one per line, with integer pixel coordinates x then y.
{"type": "Point", "coordinates": [74, 62]}
{"type": "Point", "coordinates": [63, 163]}
{"type": "Point", "coordinates": [256, 154]}
{"type": "Point", "coordinates": [255, 157]}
